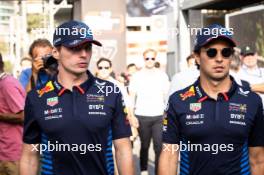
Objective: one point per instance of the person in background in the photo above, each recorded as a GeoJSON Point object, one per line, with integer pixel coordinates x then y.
{"type": "Point", "coordinates": [12, 101]}
{"type": "Point", "coordinates": [148, 89]}
{"type": "Point", "coordinates": [26, 63]}
{"type": "Point", "coordinates": [37, 75]}
{"type": "Point", "coordinates": [130, 70]}
{"type": "Point", "coordinates": [235, 67]}
{"type": "Point", "coordinates": [251, 72]}
{"type": "Point", "coordinates": [186, 77]}
{"type": "Point", "coordinates": [104, 70]}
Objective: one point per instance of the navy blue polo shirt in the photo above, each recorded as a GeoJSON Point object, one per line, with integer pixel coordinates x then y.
{"type": "Point", "coordinates": [215, 135]}
{"type": "Point", "coordinates": [78, 126]}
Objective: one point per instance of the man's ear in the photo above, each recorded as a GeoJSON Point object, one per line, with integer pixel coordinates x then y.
{"type": "Point", "coordinates": [197, 58]}
{"type": "Point", "coordinates": [55, 53]}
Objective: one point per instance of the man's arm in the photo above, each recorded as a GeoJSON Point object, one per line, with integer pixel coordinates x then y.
{"type": "Point", "coordinates": [259, 88]}
{"type": "Point", "coordinates": [29, 163]}
{"type": "Point", "coordinates": [124, 156]}
{"type": "Point", "coordinates": [168, 161]}
{"type": "Point", "coordinates": [17, 118]}
{"type": "Point", "coordinates": [256, 157]}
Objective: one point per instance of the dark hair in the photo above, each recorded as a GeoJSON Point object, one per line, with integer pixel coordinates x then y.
{"type": "Point", "coordinates": [103, 59]}
{"type": "Point", "coordinates": [42, 42]}
{"type": "Point", "coordinates": [131, 65]}
{"type": "Point", "coordinates": [198, 53]}
{"type": "Point", "coordinates": [157, 65]}
{"type": "Point", "coordinates": [1, 63]}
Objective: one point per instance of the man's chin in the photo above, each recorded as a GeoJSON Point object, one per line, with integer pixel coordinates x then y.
{"type": "Point", "coordinates": [219, 77]}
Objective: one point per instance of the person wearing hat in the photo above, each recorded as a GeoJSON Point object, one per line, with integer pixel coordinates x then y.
{"type": "Point", "coordinates": [251, 72]}
{"type": "Point", "coordinates": [215, 125]}
{"type": "Point", "coordinates": [12, 101]}
{"type": "Point", "coordinates": [75, 122]}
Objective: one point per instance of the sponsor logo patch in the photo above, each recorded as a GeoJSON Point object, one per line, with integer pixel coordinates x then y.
{"type": "Point", "coordinates": [235, 107]}
{"type": "Point", "coordinates": [195, 107]}
{"type": "Point", "coordinates": [48, 88]}
{"type": "Point", "coordinates": [95, 98]}
{"type": "Point", "coordinates": [52, 101]}
{"type": "Point", "coordinates": [188, 93]}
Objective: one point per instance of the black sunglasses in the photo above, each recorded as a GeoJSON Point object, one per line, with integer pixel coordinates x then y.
{"type": "Point", "coordinates": [100, 68]}
{"type": "Point", "coordinates": [153, 59]}
{"type": "Point", "coordinates": [225, 52]}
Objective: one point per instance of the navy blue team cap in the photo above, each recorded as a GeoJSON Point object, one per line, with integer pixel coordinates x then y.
{"type": "Point", "coordinates": [72, 34]}
{"type": "Point", "coordinates": [211, 33]}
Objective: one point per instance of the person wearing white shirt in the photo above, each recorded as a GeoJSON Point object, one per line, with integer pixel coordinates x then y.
{"type": "Point", "coordinates": [250, 71]}
{"type": "Point", "coordinates": [186, 77]}
{"type": "Point", "coordinates": [148, 89]}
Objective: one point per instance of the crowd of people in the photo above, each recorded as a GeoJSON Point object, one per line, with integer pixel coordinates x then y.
{"type": "Point", "coordinates": [218, 99]}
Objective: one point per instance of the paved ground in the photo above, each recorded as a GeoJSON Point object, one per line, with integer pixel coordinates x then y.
{"type": "Point", "coordinates": [136, 158]}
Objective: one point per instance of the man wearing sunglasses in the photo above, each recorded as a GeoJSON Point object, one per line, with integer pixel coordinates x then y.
{"type": "Point", "coordinates": [148, 89]}
{"type": "Point", "coordinates": [77, 123]}
{"type": "Point", "coordinates": [216, 125]}
{"type": "Point", "coordinates": [251, 72]}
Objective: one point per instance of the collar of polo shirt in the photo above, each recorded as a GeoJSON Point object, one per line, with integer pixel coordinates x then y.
{"type": "Point", "coordinates": [202, 96]}
{"type": "Point", "coordinates": [82, 88]}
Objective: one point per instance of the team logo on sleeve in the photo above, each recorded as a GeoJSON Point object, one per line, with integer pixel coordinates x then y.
{"type": "Point", "coordinates": [242, 92]}
{"type": "Point", "coordinates": [195, 107]}
{"type": "Point", "coordinates": [48, 88]}
{"type": "Point", "coordinates": [165, 123]}
{"type": "Point", "coordinates": [188, 93]}
{"type": "Point", "coordinates": [52, 101]}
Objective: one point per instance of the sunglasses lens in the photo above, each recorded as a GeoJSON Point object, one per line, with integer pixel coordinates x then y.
{"type": "Point", "coordinates": [211, 52]}
{"type": "Point", "coordinates": [227, 52]}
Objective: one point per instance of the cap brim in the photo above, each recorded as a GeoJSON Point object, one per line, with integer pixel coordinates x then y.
{"type": "Point", "coordinates": [83, 42]}
{"type": "Point", "coordinates": [229, 40]}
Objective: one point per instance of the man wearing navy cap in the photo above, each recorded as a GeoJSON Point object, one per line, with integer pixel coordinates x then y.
{"type": "Point", "coordinates": [75, 120]}
{"type": "Point", "coordinates": [216, 125]}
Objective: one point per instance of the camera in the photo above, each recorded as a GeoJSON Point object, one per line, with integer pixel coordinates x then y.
{"type": "Point", "coordinates": [49, 62]}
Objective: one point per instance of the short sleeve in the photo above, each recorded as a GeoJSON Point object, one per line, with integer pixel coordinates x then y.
{"type": "Point", "coordinates": [170, 131]}
{"type": "Point", "coordinates": [120, 125]}
{"type": "Point", "coordinates": [24, 77]}
{"type": "Point", "coordinates": [256, 137]}
{"type": "Point", "coordinates": [32, 132]}
{"type": "Point", "coordinates": [14, 97]}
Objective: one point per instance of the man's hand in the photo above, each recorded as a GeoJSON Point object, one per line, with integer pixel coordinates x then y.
{"type": "Point", "coordinates": [36, 66]}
